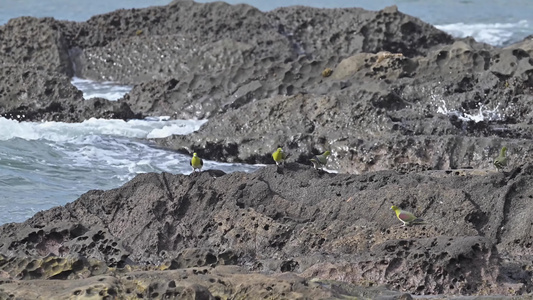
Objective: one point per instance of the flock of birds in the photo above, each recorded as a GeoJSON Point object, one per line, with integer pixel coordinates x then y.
{"type": "Point", "coordinates": [319, 161]}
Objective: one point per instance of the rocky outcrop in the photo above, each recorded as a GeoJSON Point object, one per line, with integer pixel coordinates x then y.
{"type": "Point", "coordinates": [292, 219]}
{"type": "Point", "coordinates": [195, 60]}
{"type": "Point", "coordinates": [231, 79]}
{"type": "Point", "coordinates": [33, 43]}
{"type": "Point", "coordinates": [30, 95]}
{"type": "Point", "coordinates": [322, 33]}
{"type": "Point", "coordinates": [452, 108]}
{"type": "Point", "coordinates": [414, 115]}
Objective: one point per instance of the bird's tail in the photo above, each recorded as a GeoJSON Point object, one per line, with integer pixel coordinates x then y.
{"type": "Point", "coordinates": [418, 221]}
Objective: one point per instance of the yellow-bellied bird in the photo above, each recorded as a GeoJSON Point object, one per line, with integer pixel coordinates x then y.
{"type": "Point", "coordinates": [501, 161]}
{"type": "Point", "coordinates": [279, 156]}
{"type": "Point", "coordinates": [320, 161]}
{"type": "Point", "coordinates": [196, 163]}
{"type": "Point", "coordinates": [406, 217]}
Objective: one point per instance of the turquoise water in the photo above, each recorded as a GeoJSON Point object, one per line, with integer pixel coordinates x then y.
{"type": "Point", "coordinates": [67, 9]}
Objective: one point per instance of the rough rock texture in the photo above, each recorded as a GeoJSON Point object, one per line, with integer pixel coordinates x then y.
{"type": "Point", "coordinates": [192, 59]}
{"type": "Point", "coordinates": [253, 56]}
{"type": "Point", "coordinates": [321, 32]}
{"type": "Point", "coordinates": [288, 220]}
{"type": "Point", "coordinates": [221, 282]}
{"type": "Point", "coordinates": [35, 43]}
{"type": "Point", "coordinates": [37, 95]}
{"type": "Point", "coordinates": [418, 114]}
{"type": "Point", "coordinates": [449, 109]}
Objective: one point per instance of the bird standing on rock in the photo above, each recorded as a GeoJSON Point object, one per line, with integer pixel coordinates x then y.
{"type": "Point", "coordinates": [320, 161]}
{"type": "Point", "coordinates": [406, 217]}
{"type": "Point", "coordinates": [196, 163]}
{"type": "Point", "coordinates": [501, 161]}
{"type": "Point", "coordinates": [279, 156]}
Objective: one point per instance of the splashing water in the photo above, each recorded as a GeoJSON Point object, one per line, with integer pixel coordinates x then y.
{"type": "Point", "coordinates": [484, 114]}
{"type": "Point", "coordinates": [107, 90]}
{"type": "Point", "coordinates": [45, 164]}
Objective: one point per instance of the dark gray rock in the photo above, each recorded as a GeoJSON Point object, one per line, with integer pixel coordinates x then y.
{"type": "Point", "coordinates": [37, 95]}
{"type": "Point", "coordinates": [199, 71]}
{"type": "Point", "coordinates": [450, 109]}
{"type": "Point", "coordinates": [294, 219]}
{"type": "Point", "coordinates": [33, 43]}
{"type": "Point", "coordinates": [195, 60]}
{"type": "Point", "coordinates": [382, 90]}
{"type": "Point", "coordinates": [323, 33]}
{"type": "Point", "coordinates": [166, 42]}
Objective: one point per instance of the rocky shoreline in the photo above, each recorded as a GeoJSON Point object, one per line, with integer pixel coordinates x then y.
{"type": "Point", "coordinates": [305, 231]}
{"type": "Point", "coordinates": [412, 117]}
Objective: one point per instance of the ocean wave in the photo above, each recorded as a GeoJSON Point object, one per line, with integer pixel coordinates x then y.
{"type": "Point", "coordinates": [60, 132]}
{"type": "Point", "coordinates": [93, 89]}
{"type": "Point", "coordinates": [497, 34]}
{"type": "Point", "coordinates": [48, 164]}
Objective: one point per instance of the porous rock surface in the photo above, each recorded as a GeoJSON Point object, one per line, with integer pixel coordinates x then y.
{"type": "Point", "coordinates": [414, 115]}
{"type": "Point", "coordinates": [39, 95]}
{"type": "Point", "coordinates": [455, 107]}
{"type": "Point", "coordinates": [191, 59]}
{"type": "Point", "coordinates": [292, 220]}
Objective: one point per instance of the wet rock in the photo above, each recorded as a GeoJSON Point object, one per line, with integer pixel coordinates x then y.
{"type": "Point", "coordinates": [362, 135]}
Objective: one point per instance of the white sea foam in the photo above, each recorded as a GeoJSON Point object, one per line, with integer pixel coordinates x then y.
{"type": "Point", "coordinates": [48, 164]}
{"type": "Point", "coordinates": [497, 34]}
{"type": "Point", "coordinates": [483, 114]}
{"type": "Point", "coordinates": [45, 164]}
{"type": "Point", "coordinates": [107, 90]}
{"type": "Point", "coordinates": [60, 132]}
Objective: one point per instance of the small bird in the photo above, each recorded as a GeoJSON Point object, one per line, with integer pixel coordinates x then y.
{"type": "Point", "coordinates": [319, 161]}
{"type": "Point", "coordinates": [406, 217]}
{"type": "Point", "coordinates": [279, 156]}
{"type": "Point", "coordinates": [196, 163]}
{"type": "Point", "coordinates": [501, 161]}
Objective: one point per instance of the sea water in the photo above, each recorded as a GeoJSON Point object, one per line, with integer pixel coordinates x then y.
{"type": "Point", "coordinates": [45, 164]}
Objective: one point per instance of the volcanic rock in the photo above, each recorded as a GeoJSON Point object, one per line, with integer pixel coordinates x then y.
{"type": "Point", "coordinates": [415, 116]}
{"type": "Point", "coordinates": [31, 95]}
{"type": "Point", "coordinates": [453, 108]}
{"type": "Point", "coordinates": [291, 220]}
{"type": "Point", "coordinates": [195, 60]}
{"type": "Point", "coordinates": [34, 43]}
